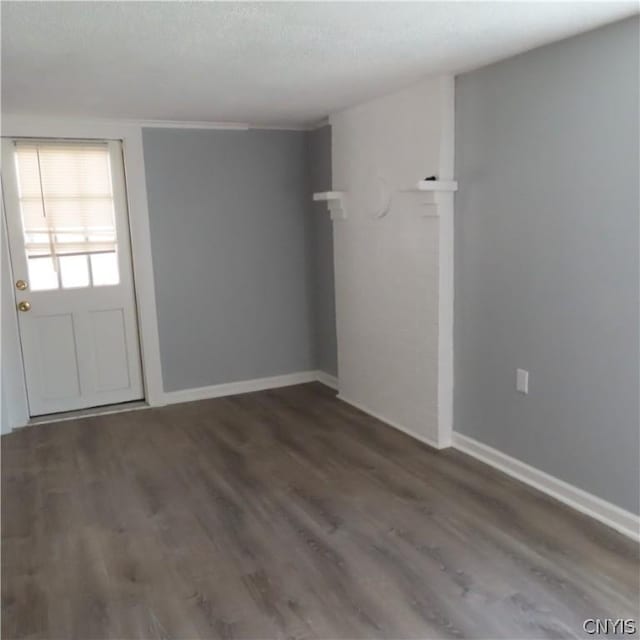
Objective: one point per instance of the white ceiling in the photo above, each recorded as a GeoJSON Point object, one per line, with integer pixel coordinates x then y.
{"type": "Point", "coordinates": [263, 62]}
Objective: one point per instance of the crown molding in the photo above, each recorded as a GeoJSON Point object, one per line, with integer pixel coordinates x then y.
{"type": "Point", "coordinates": [163, 124]}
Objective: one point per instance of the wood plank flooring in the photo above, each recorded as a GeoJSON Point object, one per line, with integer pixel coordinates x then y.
{"type": "Point", "coordinates": [287, 514]}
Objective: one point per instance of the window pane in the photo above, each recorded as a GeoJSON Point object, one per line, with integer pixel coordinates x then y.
{"type": "Point", "coordinates": [63, 238]}
{"type": "Point", "coordinates": [104, 268]}
{"type": "Point", "coordinates": [39, 238]}
{"type": "Point", "coordinates": [42, 276]}
{"type": "Point", "coordinates": [74, 271]}
{"type": "Point", "coordinates": [66, 201]}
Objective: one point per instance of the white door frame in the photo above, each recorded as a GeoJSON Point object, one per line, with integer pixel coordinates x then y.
{"type": "Point", "coordinates": [131, 137]}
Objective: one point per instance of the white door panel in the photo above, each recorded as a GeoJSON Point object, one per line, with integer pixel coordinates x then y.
{"type": "Point", "coordinates": [109, 340]}
{"type": "Point", "coordinates": [79, 338]}
{"type": "Point", "coordinates": [57, 376]}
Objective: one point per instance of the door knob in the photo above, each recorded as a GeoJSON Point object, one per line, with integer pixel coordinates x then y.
{"type": "Point", "coordinates": [24, 305]}
{"type": "Point", "coordinates": [21, 285]}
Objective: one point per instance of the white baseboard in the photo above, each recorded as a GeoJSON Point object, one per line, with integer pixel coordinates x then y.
{"type": "Point", "coordinates": [613, 516]}
{"type": "Point", "coordinates": [391, 423]}
{"type": "Point", "coordinates": [242, 386]}
{"type": "Point", "coordinates": [327, 379]}
{"type": "Point", "coordinates": [247, 386]}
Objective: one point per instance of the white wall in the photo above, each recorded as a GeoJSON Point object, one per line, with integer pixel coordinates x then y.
{"type": "Point", "coordinates": [387, 268]}
{"type": "Point", "coordinates": [13, 396]}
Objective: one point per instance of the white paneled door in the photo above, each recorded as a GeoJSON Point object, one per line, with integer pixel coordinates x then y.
{"type": "Point", "coordinates": [68, 231]}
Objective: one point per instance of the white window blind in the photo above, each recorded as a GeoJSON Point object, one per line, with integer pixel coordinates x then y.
{"type": "Point", "coordinates": [66, 198]}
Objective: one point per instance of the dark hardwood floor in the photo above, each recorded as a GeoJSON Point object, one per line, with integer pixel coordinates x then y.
{"type": "Point", "coordinates": [287, 514]}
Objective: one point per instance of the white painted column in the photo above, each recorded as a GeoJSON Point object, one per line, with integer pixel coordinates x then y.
{"type": "Point", "coordinates": [393, 254]}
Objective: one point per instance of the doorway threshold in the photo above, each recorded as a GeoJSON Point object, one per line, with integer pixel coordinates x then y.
{"type": "Point", "coordinates": [88, 413]}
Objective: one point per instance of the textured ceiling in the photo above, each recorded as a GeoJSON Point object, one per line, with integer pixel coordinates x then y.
{"type": "Point", "coordinates": [268, 63]}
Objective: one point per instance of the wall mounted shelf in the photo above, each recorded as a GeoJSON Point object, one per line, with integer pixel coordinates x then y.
{"type": "Point", "coordinates": [435, 196]}
{"type": "Point", "coordinates": [335, 203]}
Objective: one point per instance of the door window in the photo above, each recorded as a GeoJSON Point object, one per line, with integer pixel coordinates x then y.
{"type": "Point", "coordinates": [67, 209]}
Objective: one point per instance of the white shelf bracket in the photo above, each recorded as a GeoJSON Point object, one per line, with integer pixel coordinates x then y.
{"type": "Point", "coordinates": [335, 203]}
{"type": "Point", "coordinates": [436, 196]}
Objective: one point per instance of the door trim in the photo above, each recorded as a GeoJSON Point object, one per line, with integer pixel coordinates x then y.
{"type": "Point", "coordinates": [139, 231]}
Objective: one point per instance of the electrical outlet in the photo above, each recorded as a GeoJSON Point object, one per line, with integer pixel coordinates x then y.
{"type": "Point", "coordinates": [522, 380]}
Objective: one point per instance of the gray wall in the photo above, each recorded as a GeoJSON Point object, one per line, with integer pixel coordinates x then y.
{"type": "Point", "coordinates": [230, 233]}
{"type": "Point", "coordinates": [547, 259]}
{"type": "Point", "coordinates": [321, 252]}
